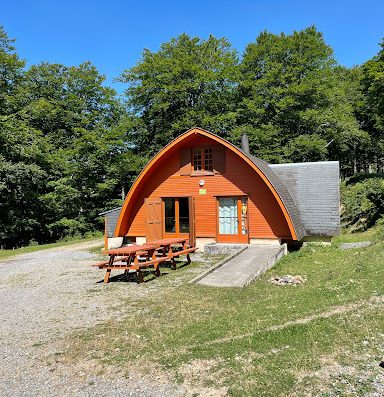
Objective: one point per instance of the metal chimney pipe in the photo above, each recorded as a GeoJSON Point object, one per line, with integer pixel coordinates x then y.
{"type": "Point", "coordinates": [245, 143]}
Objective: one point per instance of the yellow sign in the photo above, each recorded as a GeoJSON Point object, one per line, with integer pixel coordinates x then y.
{"type": "Point", "coordinates": [202, 191]}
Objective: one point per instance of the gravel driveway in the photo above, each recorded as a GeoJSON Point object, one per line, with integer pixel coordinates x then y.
{"type": "Point", "coordinates": [44, 296]}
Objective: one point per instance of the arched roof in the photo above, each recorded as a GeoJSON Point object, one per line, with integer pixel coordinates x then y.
{"type": "Point", "coordinates": [277, 187]}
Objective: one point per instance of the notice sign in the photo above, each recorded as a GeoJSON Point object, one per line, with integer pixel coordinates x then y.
{"type": "Point", "coordinates": [202, 191]}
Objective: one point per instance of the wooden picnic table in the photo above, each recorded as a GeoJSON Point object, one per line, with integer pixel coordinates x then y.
{"type": "Point", "coordinates": [131, 256]}
{"type": "Point", "coordinates": [128, 258]}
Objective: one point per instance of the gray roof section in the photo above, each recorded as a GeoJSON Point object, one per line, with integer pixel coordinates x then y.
{"type": "Point", "coordinates": [315, 188]}
{"type": "Point", "coordinates": [112, 210]}
{"type": "Point", "coordinates": [111, 217]}
{"type": "Point", "coordinates": [283, 192]}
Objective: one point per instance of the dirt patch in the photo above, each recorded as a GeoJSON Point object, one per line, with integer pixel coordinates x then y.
{"type": "Point", "coordinates": [334, 378]}
{"type": "Point", "coordinates": [200, 372]}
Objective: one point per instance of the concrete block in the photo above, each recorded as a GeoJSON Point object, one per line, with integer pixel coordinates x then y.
{"type": "Point", "coordinates": [115, 242]}
{"type": "Point", "coordinates": [141, 240]}
{"type": "Point", "coordinates": [321, 240]}
{"type": "Point", "coordinates": [267, 241]}
{"type": "Point", "coordinates": [223, 249]}
{"type": "Point", "coordinates": [201, 242]}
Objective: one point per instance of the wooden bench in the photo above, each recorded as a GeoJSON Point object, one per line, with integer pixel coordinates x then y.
{"type": "Point", "coordinates": [101, 265]}
{"type": "Point", "coordinates": [176, 254]}
{"type": "Point", "coordinates": [137, 267]}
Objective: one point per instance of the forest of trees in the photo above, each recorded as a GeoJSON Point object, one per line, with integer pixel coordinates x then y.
{"type": "Point", "coordinates": [70, 147]}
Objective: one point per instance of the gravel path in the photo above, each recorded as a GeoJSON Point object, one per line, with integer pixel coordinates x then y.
{"type": "Point", "coordinates": [44, 296]}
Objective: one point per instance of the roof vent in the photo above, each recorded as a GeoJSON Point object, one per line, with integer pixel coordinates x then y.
{"type": "Point", "coordinates": [245, 144]}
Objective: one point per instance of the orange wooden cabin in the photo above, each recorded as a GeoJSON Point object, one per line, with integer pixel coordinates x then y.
{"type": "Point", "coordinates": [204, 187]}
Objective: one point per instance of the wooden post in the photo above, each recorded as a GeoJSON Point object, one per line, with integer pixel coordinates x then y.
{"type": "Point", "coordinates": [107, 274]}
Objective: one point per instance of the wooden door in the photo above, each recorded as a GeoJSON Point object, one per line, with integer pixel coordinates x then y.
{"type": "Point", "coordinates": [177, 213]}
{"type": "Point", "coordinates": [232, 220]}
{"type": "Point", "coordinates": [153, 221]}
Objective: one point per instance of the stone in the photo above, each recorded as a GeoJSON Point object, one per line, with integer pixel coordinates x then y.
{"type": "Point", "coordinates": [361, 244]}
{"type": "Point", "coordinates": [287, 280]}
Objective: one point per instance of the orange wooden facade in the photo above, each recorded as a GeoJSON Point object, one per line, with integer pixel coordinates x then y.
{"type": "Point", "coordinates": [163, 177]}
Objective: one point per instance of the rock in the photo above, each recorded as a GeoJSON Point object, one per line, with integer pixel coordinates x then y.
{"type": "Point", "coordinates": [287, 280]}
{"type": "Point", "coordinates": [361, 244]}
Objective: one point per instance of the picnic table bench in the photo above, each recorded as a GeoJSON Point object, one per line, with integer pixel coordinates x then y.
{"type": "Point", "coordinates": [151, 254]}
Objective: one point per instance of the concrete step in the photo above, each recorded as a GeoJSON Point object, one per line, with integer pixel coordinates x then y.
{"type": "Point", "coordinates": [245, 267]}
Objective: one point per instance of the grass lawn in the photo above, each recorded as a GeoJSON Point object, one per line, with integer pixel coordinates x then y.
{"type": "Point", "coordinates": [6, 253]}
{"type": "Point", "coordinates": [322, 338]}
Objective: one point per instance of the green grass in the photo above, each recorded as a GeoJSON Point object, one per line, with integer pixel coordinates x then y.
{"type": "Point", "coordinates": [346, 237]}
{"type": "Point", "coordinates": [324, 337]}
{"type": "Point", "coordinates": [6, 253]}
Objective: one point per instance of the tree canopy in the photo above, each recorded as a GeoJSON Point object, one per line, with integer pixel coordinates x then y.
{"type": "Point", "coordinates": [187, 82]}
{"type": "Point", "coordinates": [70, 147]}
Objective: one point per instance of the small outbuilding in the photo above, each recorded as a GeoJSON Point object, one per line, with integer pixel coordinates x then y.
{"type": "Point", "coordinates": [206, 188]}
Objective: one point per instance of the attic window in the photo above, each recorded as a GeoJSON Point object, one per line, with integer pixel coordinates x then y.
{"type": "Point", "coordinates": [208, 160]}
{"type": "Point", "coordinates": [203, 159]}
{"type": "Point", "coordinates": [200, 161]}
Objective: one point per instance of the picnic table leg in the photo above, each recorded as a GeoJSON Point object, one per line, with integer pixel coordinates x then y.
{"type": "Point", "coordinates": [128, 261]}
{"type": "Point", "coordinates": [139, 274]}
{"type": "Point", "coordinates": [108, 272]}
{"type": "Point", "coordinates": [106, 277]}
{"type": "Point", "coordinates": [170, 254]}
{"type": "Point", "coordinates": [188, 259]}
{"type": "Point", "coordinates": [140, 278]}
{"type": "Point", "coordinates": [157, 270]}
{"type": "Point", "coordinates": [173, 262]}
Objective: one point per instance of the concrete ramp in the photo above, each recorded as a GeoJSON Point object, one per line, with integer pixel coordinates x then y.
{"type": "Point", "coordinates": [243, 268]}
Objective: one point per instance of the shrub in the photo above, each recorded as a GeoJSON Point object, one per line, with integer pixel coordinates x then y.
{"type": "Point", "coordinates": [379, 233]}
{"type": "Point", "coordinates": [362, 202]}
{"type": "Point", "coordinates": [67, 228]}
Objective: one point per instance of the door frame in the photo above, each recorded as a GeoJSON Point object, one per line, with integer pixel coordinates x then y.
{"type": "Point", "coordinates": [238, 238]}
{"type": "Point", "coordinates": [177, 233]}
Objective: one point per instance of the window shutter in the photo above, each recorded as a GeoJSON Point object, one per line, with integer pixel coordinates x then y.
{"type": "Point", "coordinates": [219, 159]}
{"type": "Point", "coordinates": [185, 161]}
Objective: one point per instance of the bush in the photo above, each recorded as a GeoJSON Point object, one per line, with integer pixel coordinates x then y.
{"type": "Point", "coordinates": [362, 202]}
{"type": "Point", "coordinates": [379, 233]}
{"type": "Point", "coordinates": [67, 228]}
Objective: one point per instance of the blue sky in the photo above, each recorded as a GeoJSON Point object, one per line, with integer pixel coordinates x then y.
{"type": "Point", "coordinates": [112, 34]}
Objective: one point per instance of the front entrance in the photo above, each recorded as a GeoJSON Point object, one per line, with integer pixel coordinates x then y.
{"type": "Point", "coordinates": [176, 217]}
{"type": "Point", "coordinates": [179, 218]}
{"type": "Point", "coordinates": [232, 220]}
{"type": "Point", "coordinates": [169, 217]}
